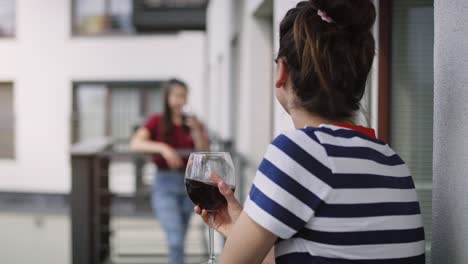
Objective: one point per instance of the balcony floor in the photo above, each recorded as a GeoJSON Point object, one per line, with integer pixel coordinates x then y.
{"type": "Point", "coordinates": [43, 236]}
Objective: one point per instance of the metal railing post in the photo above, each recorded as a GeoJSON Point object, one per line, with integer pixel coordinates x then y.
{"type": "Point", "coordinates": [90, 203]}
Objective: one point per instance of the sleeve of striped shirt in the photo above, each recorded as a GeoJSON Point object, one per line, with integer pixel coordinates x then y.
{"type": "Point", "coordinates": [287, 188]}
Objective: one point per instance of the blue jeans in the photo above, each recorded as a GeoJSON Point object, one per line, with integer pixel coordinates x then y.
{"type": "Point", "coordinates": [173, 208]}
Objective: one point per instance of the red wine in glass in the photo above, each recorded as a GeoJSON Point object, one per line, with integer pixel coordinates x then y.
{"type": "Point", "coordinates": [205, 194]}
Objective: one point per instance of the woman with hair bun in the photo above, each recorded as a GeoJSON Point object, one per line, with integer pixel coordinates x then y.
{"type": "Point", "coordinates": [328, 191]}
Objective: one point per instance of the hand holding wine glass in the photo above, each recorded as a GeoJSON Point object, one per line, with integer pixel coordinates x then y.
{"type": "Point", "coordinates": [225, 217]}
{"type": "Point", "coordinates": [190, 119]}
{"type": "Point", "coordinates": [205, 171]}
{"type": "Point", "coordinates": [193, 123]}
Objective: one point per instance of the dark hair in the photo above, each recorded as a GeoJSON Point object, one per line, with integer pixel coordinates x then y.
{"type": "Point", "coordinates": [328, 63]}
{"type": "Point", "coordinates": [167, 124]}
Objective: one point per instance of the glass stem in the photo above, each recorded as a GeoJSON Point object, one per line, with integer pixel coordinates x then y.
{"type": "Point", "coordinates": [212, 259]}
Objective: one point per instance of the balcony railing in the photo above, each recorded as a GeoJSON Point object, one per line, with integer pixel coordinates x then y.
{"type": "Point", "coordinates": [91, 199]}
{"type": "Point", "coordinates": [153, 15]}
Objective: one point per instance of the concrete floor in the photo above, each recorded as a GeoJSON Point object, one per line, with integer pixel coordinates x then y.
{"type": "Point", "coordinates": [30, 238]}
{"type": "Point", "coordinates": [27, 238]}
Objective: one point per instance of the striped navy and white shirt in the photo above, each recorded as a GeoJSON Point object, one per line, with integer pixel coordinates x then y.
{"type": "Point", "coordinates": [336, 195]}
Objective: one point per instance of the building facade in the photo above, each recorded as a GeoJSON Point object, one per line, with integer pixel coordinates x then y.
{"type": "Point", "coordinates": [230, 70]}
{"type": "Point", "coordinates": [44, 59]}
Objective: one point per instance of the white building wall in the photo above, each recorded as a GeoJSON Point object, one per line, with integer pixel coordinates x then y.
{"type": "Point", "coordinates": [251, 126]}
{"type": "Point", "coordinates": [256, 86]}
{"type": "Point", "coordinates": [219, 32]}
{"type": "Point", "coordinates": [43, 61]}
{"type": "Point", "coordinates": [254, 44]}
{"type": "Point", "coordinates": [282, 119]}
{"type": "Point", "coordinates": [450, 207]}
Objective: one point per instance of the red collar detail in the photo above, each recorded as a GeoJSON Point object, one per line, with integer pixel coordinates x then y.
{"type": "Point", "coordinates": [365, 130]}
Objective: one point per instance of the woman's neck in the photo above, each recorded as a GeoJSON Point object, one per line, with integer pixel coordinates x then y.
{"type": "Point", "coordinates": [302, 118]}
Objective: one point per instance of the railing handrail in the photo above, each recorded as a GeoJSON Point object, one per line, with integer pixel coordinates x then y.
{"type": "Point", "coordinates": [91, 147]}
{"type": "Point", "coordinates": [129, 153]}
{"type": "Point", "coordinates": [91, 196]}
{"type": "Point", "coordinates": [104, 146]}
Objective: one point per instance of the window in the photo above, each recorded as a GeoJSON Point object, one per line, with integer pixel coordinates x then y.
{"type": "Point", "coordinates": [411, 94]}
{"type": "Point", "coordinates": [113, 109]}
{"type": "Point", "coordinates": [93, 17]}
{"type": "Point", "coordinates": [7, 122]}
{"type": "Point", "coordinates": [7, 18]}
{"type": "Point", "coordinates": [114, 17]}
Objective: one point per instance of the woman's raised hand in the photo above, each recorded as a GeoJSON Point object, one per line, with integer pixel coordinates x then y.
{"type": "Point", "coordinates": [172, 158]}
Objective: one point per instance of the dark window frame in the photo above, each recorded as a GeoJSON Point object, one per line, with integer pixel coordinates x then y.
{"type": "Point", "coordinates": [384, 77]}
{"type": "Point", "coordinates": [385, 91]}
{"type": "Point", "coordinates": [11, 155]}
{"type": "Point", "coordinates": [142, 86]}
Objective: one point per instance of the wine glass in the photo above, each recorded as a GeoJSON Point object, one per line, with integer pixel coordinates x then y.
{"type": "Point", "coordinates": [187, 110]}
{"type": "Point", "coordinates": [204, 171]}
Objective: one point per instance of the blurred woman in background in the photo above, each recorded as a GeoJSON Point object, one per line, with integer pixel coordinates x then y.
{"type": "Point", "coordinates": [166, 134]}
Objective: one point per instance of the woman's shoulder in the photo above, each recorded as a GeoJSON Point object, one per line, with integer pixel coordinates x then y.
{"type": "Point", "coordinates": [155, 117]}
{"type": "Point", "coordinates": [300, 144]}
{"type": "Point", "coordinates": [340, 133]}
{"type": "Point", "coordinates": [299, 136]}
{"type": "Point", "coordinates": [153, 120]}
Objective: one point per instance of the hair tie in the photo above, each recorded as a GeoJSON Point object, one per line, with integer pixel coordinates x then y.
{"type": "Point", "coordinates": [325, 17]}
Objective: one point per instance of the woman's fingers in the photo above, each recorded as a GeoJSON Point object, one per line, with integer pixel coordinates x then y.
{"type": "Point", "coordinates": [173, 164]}
{"type": "Point", "coordinates": [205, 216]}
{"type": "Point", "coordinates": [175, 161]}
{"type": "Point", "coordinates": [192, 122]}
{"type": "Point", "coordinates": [227, 192]}
{"type": "Point", "coordinates": [203, 213]}
{"type": "Point", "coordinates": [215, 177]}
{"type": "Point", "coordinates": [172, 158]}
{"type": "Point", "coordinates": [170, 163]}
{"type": "Point", "coordinates": [189, 122]}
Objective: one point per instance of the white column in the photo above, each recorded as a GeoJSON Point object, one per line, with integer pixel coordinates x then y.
{"type": "Point", "coordinates": [450, 204]}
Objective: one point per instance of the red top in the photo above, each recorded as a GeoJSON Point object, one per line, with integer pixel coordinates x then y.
{"type": "Point", "coordinates": [365, 130]}
{"type": "Point", "coordinates": [180, 138]}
